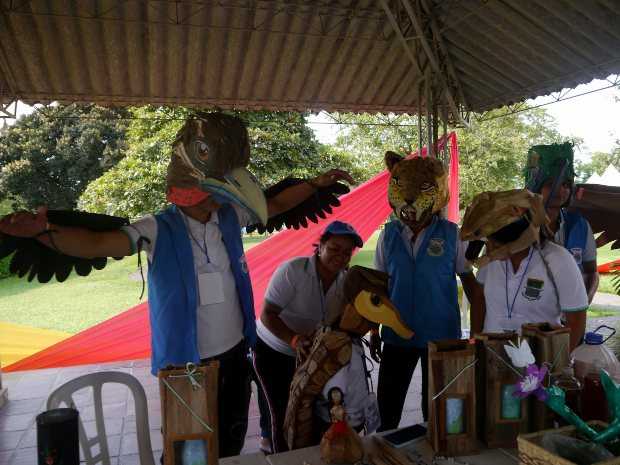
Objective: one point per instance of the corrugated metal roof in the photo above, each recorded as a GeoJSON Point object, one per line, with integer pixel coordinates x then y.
{"type": "Point", "coordinates": [298, 55]}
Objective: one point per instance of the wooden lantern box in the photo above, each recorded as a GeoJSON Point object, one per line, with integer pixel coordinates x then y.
{"type": "Point", "coordinates": [499, 423]}
{"type": "Point", "coordinates": [550, 345]}
{"type": "Point", "coordinates": [452, 425]}
{"type": "Point", "coordinates": [178, 423]}
{"type": "Point", "coordinates": [532, 452]}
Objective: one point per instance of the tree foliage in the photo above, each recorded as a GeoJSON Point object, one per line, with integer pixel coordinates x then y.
{"type": "Point", "coordinates": [50, 156]}
{"type": "Point", "coordinates": [492, 152]}
{"type": "Point", "coordinates": [282, 145]}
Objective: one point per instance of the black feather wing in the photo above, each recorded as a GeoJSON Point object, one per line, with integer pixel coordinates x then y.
{"type": "Point", "coordinates": [35, 260]}
{"type": "Point", "coordinates": [315, 207]}
{"type": "Point", "coordinates": [600, 205]}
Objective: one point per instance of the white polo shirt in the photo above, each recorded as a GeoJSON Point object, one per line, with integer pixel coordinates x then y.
{"type": "Point", "coordinates": [527, 295]}
{"type": "Point", "coordinates": [296, 288]}
{"type": "Point", "coordinates": [219, 325]}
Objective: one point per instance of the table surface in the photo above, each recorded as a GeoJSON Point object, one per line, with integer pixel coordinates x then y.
{"type": "Point", "coordinates": [419, 453]}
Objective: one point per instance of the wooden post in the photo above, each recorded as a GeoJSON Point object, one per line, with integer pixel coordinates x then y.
{"type": "Point", "coordinates": [178, 424]}
{"type": "Point", "coordinates": [4, 392]}
{"type": "Point", "coordinates": [446, 360]}
{"type": "Point", "coordinates": [550, 345]}
{"type": "Point", "coordinates": [499, 423]}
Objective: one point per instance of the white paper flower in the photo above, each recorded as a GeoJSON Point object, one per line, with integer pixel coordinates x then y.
{"type": "Point", "coordinates": [521, 355]}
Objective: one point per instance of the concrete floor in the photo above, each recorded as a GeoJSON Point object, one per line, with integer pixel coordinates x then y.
{"type": "Point", "coordinates": [28, 392]}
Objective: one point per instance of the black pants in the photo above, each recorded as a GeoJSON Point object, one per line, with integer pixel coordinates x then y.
{"type": "Point", "coordinates": [395, 372]}
{"type": "Point", "coordinates": [274, 371]}
{"type": "Point", "coordinates": [233, 398]}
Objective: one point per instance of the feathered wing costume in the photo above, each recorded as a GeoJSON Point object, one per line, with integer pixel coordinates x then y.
{"type": "Point", "coordinates": [209, 157]}
{"type": "Point", "coordinates": [367, 305]}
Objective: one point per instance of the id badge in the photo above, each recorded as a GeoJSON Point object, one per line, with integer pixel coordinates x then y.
{"type": "Point", "coordinates": [210, 288]}
{"type": "Point", "coordinates": [371, 413]}
{"type": "Point", "coordinates": [513, 323]}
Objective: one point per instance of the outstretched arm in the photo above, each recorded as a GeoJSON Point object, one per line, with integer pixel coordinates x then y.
{"type": "Point", "coordinates": [76, 242]}
{"type": "Point", "coordinates": [294, 195]}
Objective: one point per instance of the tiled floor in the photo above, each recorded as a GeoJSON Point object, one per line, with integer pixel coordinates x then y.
{"type": "Point", "coordinates": [28, 392]}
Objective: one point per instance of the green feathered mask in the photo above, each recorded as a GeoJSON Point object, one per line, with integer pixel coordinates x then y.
{"type": "Point", "coordinates": [545, 162]}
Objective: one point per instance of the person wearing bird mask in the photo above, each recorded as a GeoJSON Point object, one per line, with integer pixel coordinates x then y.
{"type": "Point", "coordinates": [550, 172]}
{"type": "Point", "coordinates": [422, 254]}
{"type": "Point", "coordinates": [525, 278]}
{"type": "Point", "coordinates": [200, 295]}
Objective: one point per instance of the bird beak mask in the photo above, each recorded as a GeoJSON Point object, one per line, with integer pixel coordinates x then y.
{"type": "Point", "coordinates": [210, 154]}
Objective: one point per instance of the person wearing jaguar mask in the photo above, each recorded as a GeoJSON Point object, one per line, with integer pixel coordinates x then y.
{"type": "Point", "coordinates": [423, 255]}
{"type": "Point", "coordinates": [200, 295]}
{"type": "Point", "coordinates": [550, 172]}
{"type": "Point", "coordinates": [525, 277]}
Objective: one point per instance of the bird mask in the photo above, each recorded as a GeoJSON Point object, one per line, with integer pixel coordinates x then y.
{"type": "Point", "coordinates": [512, 218]}
{"type": "Point", "coordinates": [368, 305]}
{"type": "Point", "coordinates": [209, 157]}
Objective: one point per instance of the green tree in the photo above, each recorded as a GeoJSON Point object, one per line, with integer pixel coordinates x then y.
{"type": "Point", "coordinates": [599, 161]}
{"type": "Point", "coordinates": [282, 145]}
{"type": "Point", "coordinates": [492, 152]}
{"type": "Point", "coordinates": [50, 156]}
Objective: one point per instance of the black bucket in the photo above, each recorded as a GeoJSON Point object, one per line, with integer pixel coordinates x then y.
{"type": "Point", "coordinates": [57, 437]}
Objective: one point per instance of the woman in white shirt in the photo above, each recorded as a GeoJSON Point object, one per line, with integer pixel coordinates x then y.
{"type": "Point", "coordinates": [301, 293]}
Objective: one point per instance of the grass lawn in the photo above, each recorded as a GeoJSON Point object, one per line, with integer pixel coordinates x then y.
{"type": "Point", "coordinates": [604, 255]}
{"type": "Point", "coordinates": [79, 302]}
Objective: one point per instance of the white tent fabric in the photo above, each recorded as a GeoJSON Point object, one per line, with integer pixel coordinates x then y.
{"type": "Point", "coordinates": [610, 177]}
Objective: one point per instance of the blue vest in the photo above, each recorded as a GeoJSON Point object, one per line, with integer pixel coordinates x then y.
{"type": "Point", "coordinates": [423, 289]}
{"type": "Point", "coordinates": [173, 294]}
{"type": "Point", "coordinates": [575, 235]}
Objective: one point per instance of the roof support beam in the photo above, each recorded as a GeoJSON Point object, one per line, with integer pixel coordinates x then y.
{"type": "Point", "coordinates": [433, 60]}
{"type": "Point", "coordinates": [401, 37]}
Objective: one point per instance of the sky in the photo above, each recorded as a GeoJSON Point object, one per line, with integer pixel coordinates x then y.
{"type": "Point", "coordinates": [594, 117]}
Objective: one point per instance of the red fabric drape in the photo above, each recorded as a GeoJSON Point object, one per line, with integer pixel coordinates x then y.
{"type": "Point", "coordinates": [127, 336]}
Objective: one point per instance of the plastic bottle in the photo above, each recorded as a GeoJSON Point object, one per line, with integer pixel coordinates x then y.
{"type": "Point", "coordinates": [593, 355]}
{"type": "Point", "coordinates": [572, 388]}
{"type": "Point", "coordinates": [589, 359]}
{"type": "Point", "coordinates": [194, 452]}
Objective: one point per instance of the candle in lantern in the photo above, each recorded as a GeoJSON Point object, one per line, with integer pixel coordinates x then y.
{"type": "Point", "coordinates": [454, 416]}
{"type": "Point", "coordinates": [511, 405]}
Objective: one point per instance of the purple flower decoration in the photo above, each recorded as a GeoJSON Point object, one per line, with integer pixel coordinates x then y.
{"type": "Point", "coordinates": [532, 383]}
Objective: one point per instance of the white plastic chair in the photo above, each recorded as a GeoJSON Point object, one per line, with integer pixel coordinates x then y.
{"type": "Point", "coordinates": [64, 394]}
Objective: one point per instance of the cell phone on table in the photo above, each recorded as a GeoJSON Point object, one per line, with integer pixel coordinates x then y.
{"type": "Point", "coordinates": [404, 436]}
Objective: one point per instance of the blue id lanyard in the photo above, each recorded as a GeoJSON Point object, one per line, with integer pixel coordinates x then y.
{"type": "Point", "coordinates": [509, 307]}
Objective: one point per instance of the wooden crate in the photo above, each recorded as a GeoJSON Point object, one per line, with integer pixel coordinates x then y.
{"type": "Point", "coordinates": [178, 424]}
{"type": "Point", "coordinates": [550, 344]}
{"type": "Point", "coordinates": [492, 375]}
{"type": "Point", "coordinates": [531, 451]}
{"type": "Point", "coordinates": [446, 359]}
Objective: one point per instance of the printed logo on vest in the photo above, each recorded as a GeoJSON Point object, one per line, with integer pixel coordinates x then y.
{"type": "Point", "coordinates": [533, 289]}
{"type": "Point", "coordinates": [244, 264]}
{"type": "Point", "coordinates": [577, 254]}
{"type": "Point", "coordinates": [435, 247]}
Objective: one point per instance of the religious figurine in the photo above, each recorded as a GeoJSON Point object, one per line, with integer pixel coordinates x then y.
{"type": "Point", "coordinates": [340, 443]}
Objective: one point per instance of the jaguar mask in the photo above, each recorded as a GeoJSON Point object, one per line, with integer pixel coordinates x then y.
{"type": "Point", "coordinates": [418, 188]}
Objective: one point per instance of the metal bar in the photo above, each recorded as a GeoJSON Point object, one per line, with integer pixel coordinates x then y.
{"type": "Point", "coordinates": [399, 34]}
{"type": "Point", "coordinates": [431, 57]}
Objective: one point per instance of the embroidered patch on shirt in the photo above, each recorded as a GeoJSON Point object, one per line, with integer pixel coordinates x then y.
{"type": "Point", "coordinates": [577, 254]}
{"type": "Point", "coordinates": [435, 247]}
{"type": "Point", "coordinates": [533, 289]}
{"type": "Point", "coordinates": [244, 264]}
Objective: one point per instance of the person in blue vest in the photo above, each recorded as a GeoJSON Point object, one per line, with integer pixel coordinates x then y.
{"type": "Point", "coordinates": [545, 165]}
{"type": "Point", "coordinates": [422, 254]}
{"type": "Point", "coordinates": [200, 295]}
